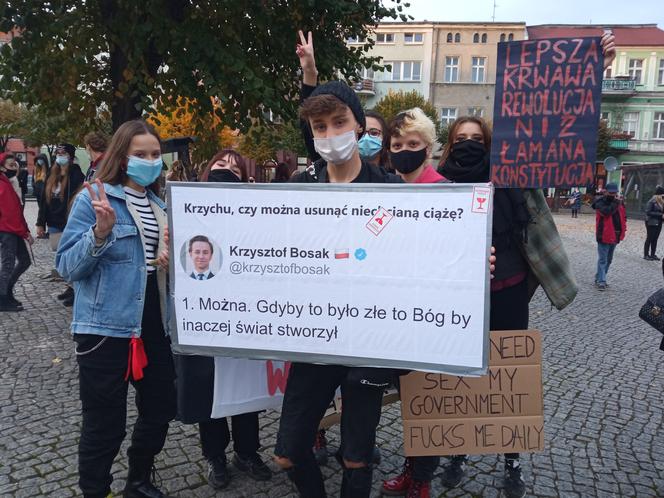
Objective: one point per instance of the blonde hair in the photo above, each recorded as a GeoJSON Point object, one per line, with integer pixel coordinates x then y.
{"type": "Point", "coordinates": [414, 121]}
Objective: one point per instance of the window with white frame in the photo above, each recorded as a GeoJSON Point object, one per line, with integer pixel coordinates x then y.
{"type": "Point", "coordinates": [449, 37]}
{"type": "Point", "coordinates": [631, 123]}
{"type": "Point", "coordinates": [384, 37]}
{"type": "Point", "coordinates": [483, 37]}
{"type": "Point", "coordinates": [476, 111]}
{"type": "Point", "coordinates": [366, 73]}
{"type": "Point", "coordinates": [448, 115]}
{"type": "Point", "coordinates": [476, 38]}
{"type": "Point", "coordinates": [457, 38]}
{"type": "Point", "coordinates": [451, 69]}
{"type": "Point", "coordinates": [478, 69]}
{"type": "Point", "coordinates": [413, 37]}
{"type": "Point", "coordinates": [658, 126]}
{"type": "Point", "coordinates": [406, 71]}
{"type": "Point", "coordinates": [660, 77]}
{"type": "Point", "coordinates": [356, 39]}
{"type": "Point", "coordinates": [636, 70]}
{"type": "Point", "coordinates": [386, 74]}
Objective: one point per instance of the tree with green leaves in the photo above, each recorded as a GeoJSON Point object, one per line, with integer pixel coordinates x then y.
{"type": "Point", "coordinates": [395, 102]}
{"type": "Point", "coordinates": [12, 117]}
{"type": "Point", "coordinates": [262, 141]}
{"type": "Point", "coordinates": [126, 56]}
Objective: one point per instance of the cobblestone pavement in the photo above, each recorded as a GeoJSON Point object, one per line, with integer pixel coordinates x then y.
{"type": "Point", "coordinates": [602, 376]}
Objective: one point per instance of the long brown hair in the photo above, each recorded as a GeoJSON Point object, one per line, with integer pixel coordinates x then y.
{"type": "Point", "coordinates": [54, 177]}
{"type": "Point", "coordinates": [384, 154]}
{"type": "Point", "coordinates": [454, 129]}
{"type": "Point", "coordinates": [113, 168]}
{"type": "Point", "coordinates": [239, 160]}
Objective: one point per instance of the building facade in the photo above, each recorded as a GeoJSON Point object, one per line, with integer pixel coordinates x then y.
{"type": "Point", "coordinates": [463, 76]}
{"type": "Point", "coordinates": [406, 48]}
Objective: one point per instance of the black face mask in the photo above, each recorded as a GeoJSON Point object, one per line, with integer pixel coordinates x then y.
{"type": "Point", "coordinates": [407, 161]}
{"type": "Point", "coordinates": [223, 175]}
{"type": "Point", "coordinates": [10, 173]}
{"type": "Point", "coordinates": [468, 153]}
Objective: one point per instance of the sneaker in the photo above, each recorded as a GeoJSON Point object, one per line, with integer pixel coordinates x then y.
{"type": "Point", "coordinates": [647, 258]}
{"type": "Point", "coordinates": [514, 486]}
{"type": "Point", "coordinates": [12, 299]}
{"type": "Point", "coordinates": [654, 258]}
{"type": "Point", "coordinates": [68, 293]}
{"type": "Point", "coordinates": [419, 489]}
{"type": "Point", "coordinates": [253, 466]}
{"type": "Point", "coordinates": [602, 286]}
{"type": "Point", "coordinates": [69, 302]}
{"type": "Point", "coordinates": [218, 476]}
{"type": "Point", "coordinates": [7, 305]}
{"type": "Point", "coordinates": [399, 485]}
{"type": "Point", "coordinates": [454, 471]}
{"type": "Point", "coordinates": [320, 448]}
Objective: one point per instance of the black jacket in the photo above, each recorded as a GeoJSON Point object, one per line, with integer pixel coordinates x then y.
{"type": "Point", "coordinates": [54, 213]}
{"type": "Point", "coordinates": [654, 213]}
{"type": "Point", "coordinates": [317, 173]}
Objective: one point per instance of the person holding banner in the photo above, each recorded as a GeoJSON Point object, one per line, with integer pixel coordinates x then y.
{"type": "Point", "coordinates": [195, 379]}
{"type": "Point", "coordinates": [335, 118]}
{"type": "Point", "coordinates": [113, 249]}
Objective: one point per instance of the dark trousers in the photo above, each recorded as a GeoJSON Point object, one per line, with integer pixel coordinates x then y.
{"type": "Point", "coordinates": [509, 311]}
{"type": "Point", "coordinates": [309, 392]}
{"type": "Point", "coordinates": [215, 435]}
{"type": "Point", "coordinates": [102, 363]}
{"type": "Point", "coordinates": [650, 247]}
{"type": "Point", "coordinates": [14, 260]}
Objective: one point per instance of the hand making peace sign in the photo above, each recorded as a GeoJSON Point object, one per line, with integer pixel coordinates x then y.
{"type": "Point", "coordinates": [103, 211]}
{"type": "Point", "coordinates": [305, 52]}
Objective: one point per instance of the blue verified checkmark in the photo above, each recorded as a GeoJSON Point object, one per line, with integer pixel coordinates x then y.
{"type": "Point", "coordinates": [360, 254]}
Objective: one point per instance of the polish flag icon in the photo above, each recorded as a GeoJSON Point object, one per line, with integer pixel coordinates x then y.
{"type": "Point", "coordinates": [341, 254]}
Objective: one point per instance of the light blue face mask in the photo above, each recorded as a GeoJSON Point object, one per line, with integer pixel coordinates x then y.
{"type": "Point", "coordinates": [369, 146]}
{"type": "Point", "coordinates": [143, 171]}
{"type": "Point", "coordinates": [62, 160]}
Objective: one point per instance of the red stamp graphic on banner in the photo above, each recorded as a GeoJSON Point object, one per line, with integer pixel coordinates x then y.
{"type": "Point", "coordinates": [481, 199]}
{"type": "Point", "coordinates": [379, 221]}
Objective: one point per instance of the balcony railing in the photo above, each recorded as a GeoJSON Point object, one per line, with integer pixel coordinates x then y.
{"type": "Point", "coordinates": [646, 145]}
{"type": "Point", "coordinates": [619, 143]}
{"type": "Point", "coordinates": [619, 85]}
{"type": "Point", "coordinates": [365, 86]}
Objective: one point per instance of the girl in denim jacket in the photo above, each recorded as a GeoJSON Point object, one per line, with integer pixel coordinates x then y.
{"type": "Point", "coordinates": [113, 249]}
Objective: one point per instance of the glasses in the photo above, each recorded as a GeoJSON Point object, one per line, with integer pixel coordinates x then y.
{"type": "Point", "coordinates": [374, 132]}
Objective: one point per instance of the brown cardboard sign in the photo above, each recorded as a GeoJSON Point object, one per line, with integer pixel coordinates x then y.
{"type": "Point", "coordinates": [501, 412]}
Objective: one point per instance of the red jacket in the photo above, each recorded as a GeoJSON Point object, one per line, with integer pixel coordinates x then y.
{"type": "Point", "coordinates": [11, 215]}
{"type": "Point", "coordinates": [610, 220]}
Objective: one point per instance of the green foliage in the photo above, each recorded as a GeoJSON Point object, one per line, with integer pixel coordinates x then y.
{"type": "Point", "coordinates": [12, 117]}
{"type": "Point", "coordinates": [395, 102]}
{"type": "Point", "coordinates": [443, 134]}
{"type": "Point", "coordinates": [603, 141]}
{"type": "Point", "coordinates": [122, 55]}
{"type": "Point", "coordinates": [262, 141]}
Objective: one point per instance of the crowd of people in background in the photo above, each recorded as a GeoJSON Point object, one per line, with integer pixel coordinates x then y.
{"type": "Point", "coordinates": [111, 222]}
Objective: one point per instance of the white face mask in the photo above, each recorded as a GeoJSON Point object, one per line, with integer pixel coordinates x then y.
{"type": "Point", "coordinates": [337, 150]}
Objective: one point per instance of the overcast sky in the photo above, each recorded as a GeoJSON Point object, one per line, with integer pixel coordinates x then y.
{"type": "Point", "coordinates": [541, 11]}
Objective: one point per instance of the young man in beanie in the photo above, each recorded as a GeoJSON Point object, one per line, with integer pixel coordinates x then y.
{"type": "Point", "coordinates": [336, 120]}
{"type": "Point", "coordinates": [610, 228]}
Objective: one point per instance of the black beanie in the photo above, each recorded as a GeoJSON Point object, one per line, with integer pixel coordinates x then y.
{"type": "Point", "coordinates": [347, 95]}
{"type": "Point", "coordinates": [659, 190]}
{"type": "Point", "coordinates": [69, 149]}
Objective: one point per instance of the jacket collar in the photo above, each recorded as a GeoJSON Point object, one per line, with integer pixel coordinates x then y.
{"type": "Point", "coordinates": [118, 192]}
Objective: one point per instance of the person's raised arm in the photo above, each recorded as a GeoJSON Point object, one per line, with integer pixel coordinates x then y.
{"type": "Point", "coordinates": [608, 45]}
{"type": "Point", "coordinates": [305, 52]}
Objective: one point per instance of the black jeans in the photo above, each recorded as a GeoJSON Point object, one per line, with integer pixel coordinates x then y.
{"type": "Point", "coordinates": [309, 392]}
{"type": "Point", "coordinates": [102, 363]}
{"type": "Point", "coordinates": [14, 260]}
{"type": "Point", "coordinates": [215, 435]}
{"type": "Point", "coordinates": [650, 247]}
{"type": "Point", "coordinates": [509, 311]}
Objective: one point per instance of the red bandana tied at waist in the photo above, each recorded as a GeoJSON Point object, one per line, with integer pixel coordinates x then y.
{"type": "Point", "coordinates": [137, 360]}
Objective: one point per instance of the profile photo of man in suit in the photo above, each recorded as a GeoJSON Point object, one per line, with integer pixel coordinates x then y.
{"type": "Point", "coordinates": [200, 252]}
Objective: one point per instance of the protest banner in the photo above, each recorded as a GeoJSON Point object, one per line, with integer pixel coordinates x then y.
{"type": "Point", "coordinates": [546, 113]}
{"type": "Point", "coordinates": [501, 412]}
{"type": "Point", "coordinates": [315, 273]}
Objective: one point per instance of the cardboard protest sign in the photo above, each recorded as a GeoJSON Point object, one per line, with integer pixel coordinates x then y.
{"type": "Point", "coordinates": [334, 274]}
{"type": "Point", "coordinates": [501, 412]}
{"type": "Point", "coordinates": [546, 113]}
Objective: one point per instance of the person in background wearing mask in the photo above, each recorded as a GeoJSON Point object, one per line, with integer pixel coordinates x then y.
{"type": "Point", "coordinates": [95, 145]}
{"type": "Point", "coordinates": [375, 143]}
{"type": "Point", "coordinates": [9, 167]}
{"type": "Point", "coordinates": [39, 181]}
{"type": "Point", "coordinates": [22, 178]}
{"type": "Point", "coordinates": [63, 182]}
{"type": "Point", "coordinates": [114, 250]}
{"type": "Point", "coordinates": [654, 216]}
{"type": "Point", "coordinates": [195, 379]}
{"type": "Point", "coordinates": [14, 233]}
{"type": "Point", "coordinates": [610, 229]}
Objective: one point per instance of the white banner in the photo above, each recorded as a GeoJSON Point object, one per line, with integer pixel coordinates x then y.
{"type": "Point", "coordinates": [371, 275]}
{"type": "Point", "coordinates": [244, 386]}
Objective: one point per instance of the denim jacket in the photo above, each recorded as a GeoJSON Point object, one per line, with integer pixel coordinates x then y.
{"type": "Point", "coordinates": [109, 280]}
